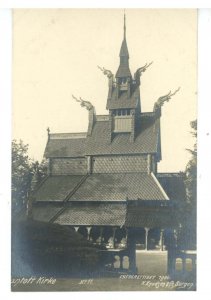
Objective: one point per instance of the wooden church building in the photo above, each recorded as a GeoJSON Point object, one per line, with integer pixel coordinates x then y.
{"type": "Point", "coordinates": [104, 182]}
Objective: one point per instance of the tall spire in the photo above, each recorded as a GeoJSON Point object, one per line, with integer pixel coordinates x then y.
{"type": "Point", "coordinates": [123, 70]}
{"type": "Point", "coordinates": [124, 26]}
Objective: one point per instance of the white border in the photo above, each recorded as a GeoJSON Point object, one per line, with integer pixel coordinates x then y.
{"type": "Point", "coordinates": [204, 198]}
{"type": "Point", "coordinates": [204, 148]}
{"type": "Point", "coordinates": [5, 138]}
{"type": "Point", "coordinates": [104, 4]}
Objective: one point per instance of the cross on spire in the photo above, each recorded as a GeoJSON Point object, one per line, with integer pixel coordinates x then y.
{"type": "Point", "coordinates": [124, 25]}
{"type": "Point", "coordinates": [124, 70]}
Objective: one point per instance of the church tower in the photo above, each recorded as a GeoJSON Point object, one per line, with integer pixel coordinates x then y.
{"type": "Point", "coordinates": [123, 100]}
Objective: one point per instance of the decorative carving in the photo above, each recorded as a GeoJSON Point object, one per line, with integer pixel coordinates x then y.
{"type": "Point", "coordinates": [165, 98]}
{"type": "Point", "coordinates": [106, 72]}
{"type": "Point", "coordinates": [88, 105]}
{"type": "Point", "coordinates": [140, 70]}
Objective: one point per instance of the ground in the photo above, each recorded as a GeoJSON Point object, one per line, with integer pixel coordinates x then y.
{"type": "Point", "coordinates": [151, 265]}
{"type": "Point", "coordinates": [151, 262]}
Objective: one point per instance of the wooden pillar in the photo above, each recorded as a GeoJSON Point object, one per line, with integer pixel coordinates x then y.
{"type": "Point", "coordinates": [126, 236]}
{"type": "Point", "coordinates": [121, 262]}
{"type": "Point", "coordinates": [161, 239]}
{"type": "Point", "coordinates": [88, 232]}
{"type": "Point", "coordinates": [132, 256]}
{"type": "Point", "coordinates": [101, 233]}
{"type": "Point", "coordinates": [131, 251]}
{"type": "Point", "coordinates": [171, 254]}
{"type": "Point", "coordinates": [146, 237]}
{"type": "Point", "coordinates": [114, 231]}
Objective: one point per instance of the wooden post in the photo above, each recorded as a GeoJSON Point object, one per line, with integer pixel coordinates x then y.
{"type": "Point", "coordinates": [131, 251]}
{"type": "Point", "coordinates": [121, 262]}
{"type": "Point", "coordinates": [146, 238]}
{"type": "Point", "coordinates": [88, 232]}
{"type": "Point", "coordinates": [126, 236]}
{"type": "Point", "coordinates": [171, 254]}
{"type": "Point", "coordinates": [161, 240]}
{"type": "Point", "coordinates": [101, 233]}
{"type": "Point", "coordinates": [114, 231]}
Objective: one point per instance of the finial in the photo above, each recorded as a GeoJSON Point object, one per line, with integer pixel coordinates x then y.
{"type": "Point", "coordinates": [139, 71]}
{"type": "Point", "coordinates": [124, 25]}
{"type": "Point", "coordinates": [106, 72]}
{"type": "Point", "coordinates": [88, 105]}
{"type": "Point", "coordinates": [165, 98]}
{"type": "Point", "coordinates": [48, 131]}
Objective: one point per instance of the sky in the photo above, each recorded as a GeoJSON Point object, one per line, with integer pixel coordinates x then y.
{"type": "Point", "coordinates": [56, 53]}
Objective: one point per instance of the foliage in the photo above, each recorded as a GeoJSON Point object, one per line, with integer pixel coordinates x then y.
{"type": "Point", "coordinates": [187, 234]}
{"type": "Point", "coordinates": [191, 170]}
{"type": "Point", "coordinates": [21, 175]}
{"type": "Point", "coordinates": [23, 170]}
{"type": "Point", "coordinates": [46, 249]}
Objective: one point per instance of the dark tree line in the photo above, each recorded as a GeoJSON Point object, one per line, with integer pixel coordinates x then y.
{"type": "Point", "coordinates": [191, 170]}
{"type": "Point", "coordinates": [187, 213]}
{"type": "Point", "coordinates": [191, 186]}
{"type": "Point", "coordinates": [23, 170]}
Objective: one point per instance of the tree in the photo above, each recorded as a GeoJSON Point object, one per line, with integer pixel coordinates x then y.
{"type": "Point", "coordinates": [21, 175]}
{"type": "Point", "coordinates": [23, 170]}
{"type": "Point", "coordinates": [191, 170]}
{"type": "Point", "coordinates": [188, 230]}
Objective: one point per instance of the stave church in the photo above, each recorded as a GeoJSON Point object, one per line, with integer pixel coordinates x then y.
{"type": "Point", "coordinates": [104, 183]}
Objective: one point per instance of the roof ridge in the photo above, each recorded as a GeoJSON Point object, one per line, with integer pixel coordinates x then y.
{"type": "Point", "coordinates": [159, 185]}
{"type": "Point", "coordinates": [68, 197]}
{"type": "Point", "coordinates": [40, 184]}
{"type": "Point", "coordinates": [67, 135]}
{"type": "Point", "coordinates": [181, 174]}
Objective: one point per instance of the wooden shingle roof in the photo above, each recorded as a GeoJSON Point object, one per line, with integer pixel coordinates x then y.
{"type": "Point", "coordinates": [101, 187]}
{"type": "Point", "coordinates": [110, 199]}
{"type": "Point", "coordinates": [142, 217]}
{"type": "Point", "coordinates": [146, 140]}
{"type": "Point", "coordinates": [105, 214]}
{"type": "Point", "coordinates": [65, 148]}
{"type": "Point", "coordinates": [123, 100]}
{"type": "Point", "coordinates": [119, 187]}
{"type": "Point", "coordinates": [111, 214]}
{"type": "Point", "coordinates": [57, 188]}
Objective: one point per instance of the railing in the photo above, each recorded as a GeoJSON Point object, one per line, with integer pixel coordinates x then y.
{"type": "Point", "coordinates": [102, 117]}
{"type": "Point", "coordinates": [183, 263]}
{"type": "Point", "coordinates": [120, 260]}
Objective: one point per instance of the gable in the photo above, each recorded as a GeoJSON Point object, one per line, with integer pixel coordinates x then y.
{"type": "Point", "coordinates": [147, 135]}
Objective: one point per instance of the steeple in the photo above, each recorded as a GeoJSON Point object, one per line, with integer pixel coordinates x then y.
{"type": "Point", "coordinates": [123, 100]}
{"type": "Point", "coordinates": [124, 27]}
{"type": "Point", "coordinates": [124, 70]}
